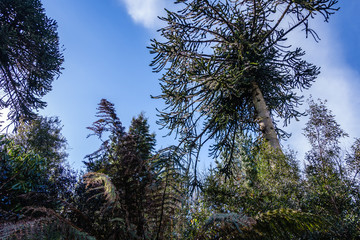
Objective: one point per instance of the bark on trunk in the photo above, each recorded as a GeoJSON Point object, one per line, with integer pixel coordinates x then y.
{"type": "Point", "coordinates": [263, 117]}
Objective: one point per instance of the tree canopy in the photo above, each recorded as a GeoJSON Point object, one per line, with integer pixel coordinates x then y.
{"type": "Point", "coordinates": [228, 68]}
{"type": "Point", "coordinates": [228, 73]}
{"type": "Point", "coordinates": [43, 136]}
{"type": "Point", "coordinates": [30, 56]}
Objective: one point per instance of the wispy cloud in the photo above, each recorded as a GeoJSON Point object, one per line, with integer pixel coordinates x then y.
{"type": "Point", "coordinates": [145, 12]}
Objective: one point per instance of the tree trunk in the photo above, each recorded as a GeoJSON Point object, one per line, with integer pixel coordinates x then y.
{"type": "Point", "coordinates": [263, 117]}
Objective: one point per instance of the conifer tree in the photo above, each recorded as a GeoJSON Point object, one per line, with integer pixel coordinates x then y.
{"type": "Point", "coordinates": [131, 176]}
{"type": "Point", "coordinates": [43, 136]}
{"type": "Point", "coordinates": [228, 68]}
{"type": "Point", "coordinates": [30, 57]}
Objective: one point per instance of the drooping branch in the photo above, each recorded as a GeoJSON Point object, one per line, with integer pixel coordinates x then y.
{"type": "Point", "coordinates": [251, 78]}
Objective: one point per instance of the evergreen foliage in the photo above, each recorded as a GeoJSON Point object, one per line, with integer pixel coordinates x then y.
{"type": "Point", "coordinates": [275, 224]}
{"type": "Point", "coordinates": [30, 57]}
{"type": "Point", "coordinates": [43, 136]}
{"type": "Point", "coordinates": [138, 193]}
{"type": "Point", "coordinates": [126, 178]}
{"type": "Point", "coordinates": [328, 189]}
{"type": "Point", "coordinates": [228, 69]}
{"type": "Point", "coordinates": [44, 228]}
{"type": "Point", "coordinates": [227, 73]}
{"type": "Point", "coordinates": [21, 172]}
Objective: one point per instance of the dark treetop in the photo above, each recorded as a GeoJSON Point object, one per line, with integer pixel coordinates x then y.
{"type": "Point", "coordinates": [30, 58]}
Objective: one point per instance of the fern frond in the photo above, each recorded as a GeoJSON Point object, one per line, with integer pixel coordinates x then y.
{"type": "Point", "coordinates": [226, 226]}
{"type": "Point", "coordinates": [287, 222]}
{"type": "Point", "coordinates": [275, 224]}
{"type": "Point", "coordinates": [236, 220]}
{"type": "Point", "coordinates": [42, 223]}
{"type": "Point", "coordinates": [94, 179]}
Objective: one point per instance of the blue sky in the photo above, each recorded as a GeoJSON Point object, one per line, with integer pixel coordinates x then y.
{"type": "Point", "coordinates": [106, 57]}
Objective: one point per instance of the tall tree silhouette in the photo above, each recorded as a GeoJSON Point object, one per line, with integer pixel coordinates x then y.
{"type": "Point", "coordinates": [30, 57]}
{"type": "Point", "coordinates": [134, 179]}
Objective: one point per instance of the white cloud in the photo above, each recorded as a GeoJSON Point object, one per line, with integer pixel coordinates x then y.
{"type": "Point", "coordinates": [145, 12]}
